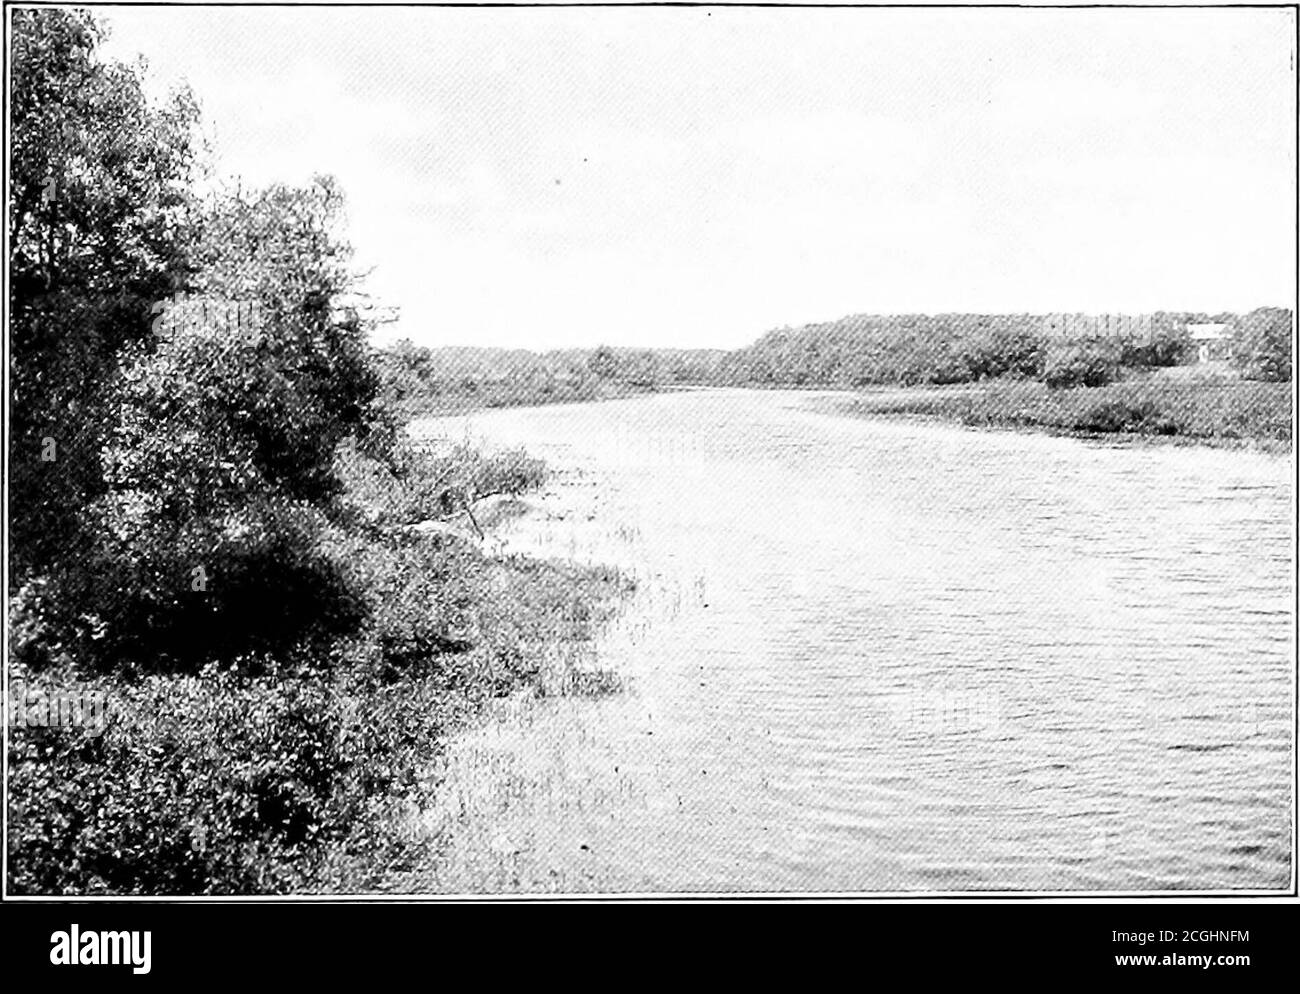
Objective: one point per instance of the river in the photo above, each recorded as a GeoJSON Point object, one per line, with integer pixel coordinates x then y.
{"type": "Point", "coordinates": [881, 656]}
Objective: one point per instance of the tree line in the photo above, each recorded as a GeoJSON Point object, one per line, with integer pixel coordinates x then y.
{"type": "Point", "coordinates": [856, 351]}
{"type": "Point", "coordinates": [910, 349]}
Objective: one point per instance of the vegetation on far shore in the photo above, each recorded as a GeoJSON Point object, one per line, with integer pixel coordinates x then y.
{"type": "Point", "coordinates": [1150, 387]}
{"type": "Point", "coordinates": [914, 349]}
{"type": "Point", "coordinates": [423, 381]}
{"type": "Point", "coordinates": [1025, 378]}
{"type": "Point", "coordinates": [1228, 413]}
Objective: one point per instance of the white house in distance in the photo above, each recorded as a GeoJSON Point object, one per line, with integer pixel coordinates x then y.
{"type": "Point", "coordinates": [1213, 341]}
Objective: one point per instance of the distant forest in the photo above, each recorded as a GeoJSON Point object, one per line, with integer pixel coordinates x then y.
{"type": "Point", "coordinates": [856, 351]}
{"type": "Point", "coordinates": [417, 378]}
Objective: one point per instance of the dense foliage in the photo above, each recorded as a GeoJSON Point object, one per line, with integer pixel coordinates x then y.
{"type": "Point", "coordinates": [1263, 347]}
{"type": "Point", "coordinates": [420, 379]}
{"type": "Point", "coordinates": [856, 351]}
{"type": "Point", "coordinates": [1090, 363]}
{"type": "Point", "coordinates": [210, 511]}
{"type": "Point", "coordinates": [898, 349]}
{"type": "Point", "coordinates": [100, 223]}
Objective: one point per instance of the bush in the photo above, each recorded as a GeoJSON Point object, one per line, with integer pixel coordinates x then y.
{"type": "Point", "coordinates": [224, 783]}
{"type": "Point", "coordinates": [930, 360]}
{"type": "Point", "coordinates": [245, 778]}
{"type": "Point", "coordinates": [1168, 346]}
{"type": "Point", "coordinates": [419, 483]}
{"type": "Point", "coordinates": [209, 784]}
{"type": "Point", "coordinates": [1262, 349]}
{"type": "Point", "coordinates": [421, 596]}
{"type": "Point", "coordinates": [1117, 415]}
{"type": "Point", "coordinates": [1080, 364]}
{"type": "Point", "coordinates": [1004, 352]}
{"type": "Point", "coordinates": [156, 594]}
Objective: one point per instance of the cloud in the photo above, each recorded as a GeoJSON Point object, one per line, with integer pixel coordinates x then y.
{"type": "Point", "coordinates": [654, 176]}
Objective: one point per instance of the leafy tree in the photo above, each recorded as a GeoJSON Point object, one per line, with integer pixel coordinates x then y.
{"type": "Point", "coordinates": [221, 456]}
{"type": "Point", "coordinates": [1263, 343]}
{"type": "Point", "coordinates": [99, 221]}
{"type": "Point", "coordinates": [193, 442]}
{"type": "Point", "coordinates": [603, 363]}
{"type": "Point", "coordinates": [640, 369]}
{"type": "Point", "coordinates": [1168, 344]}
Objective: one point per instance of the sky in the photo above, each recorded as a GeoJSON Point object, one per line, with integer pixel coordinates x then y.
{"type": "Point", "coordinates": [694, 177]}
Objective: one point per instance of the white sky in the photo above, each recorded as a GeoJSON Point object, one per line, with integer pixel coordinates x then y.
{"type": "Point", "coordinates": [683, 177]}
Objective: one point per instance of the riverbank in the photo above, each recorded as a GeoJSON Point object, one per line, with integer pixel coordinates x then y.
{"type": "Point", "coordinates": [488, 825]}
{"type": "Point", "coordinates": [295, 770]}
{"type": "Point", "coordinates": [1228, 414]}
{"type": "Point", "coordinates": [522, 620]}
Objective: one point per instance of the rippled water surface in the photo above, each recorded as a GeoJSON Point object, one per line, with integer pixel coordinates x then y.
{"type": "Point", "coordinates": [884, 656]}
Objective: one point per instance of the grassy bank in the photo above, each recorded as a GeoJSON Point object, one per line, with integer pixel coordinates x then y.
{"type": "Point", "coordinates": [1229, 413]}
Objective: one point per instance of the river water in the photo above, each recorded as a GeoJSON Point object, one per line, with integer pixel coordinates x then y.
{"type": "Point", "coordinates": [883, 656]}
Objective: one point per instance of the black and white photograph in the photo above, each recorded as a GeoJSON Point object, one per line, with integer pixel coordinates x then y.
{"type": "Point", "coordinates": [649, 452]}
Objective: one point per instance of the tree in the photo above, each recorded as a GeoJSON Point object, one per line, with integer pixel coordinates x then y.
{"type": "Point", "coordinates": [99, 217]}
{"type": "Point", "coordinates": [640, 369]}
{"type": "Point", "coordinates": [603, 363]}
{"type": "Point", "coordinates": [192, 366]}
{"type": "Point", "coordinates": [1263, 342]}
{"type": "Point", "coordinates": [221, 455]}
{"type": "Point", "coordinates": [1166, 345]}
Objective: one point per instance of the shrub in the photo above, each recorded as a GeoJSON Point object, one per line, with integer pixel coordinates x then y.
{"type": "Point", "coordinates": [245, 777]}
{"type": "Point", "coordinates": [209, 784]}
{"type": "Point", "coordinates": [420, 594]}
{"type": "Point", "coordinates": [933, 360]}
{"type": "Point", "coordinates": [1120, 415]}
{"type": "Point", "coordinates": [1262, 349]}
{"type": "Point", "coordinates": [159, 594]}
{"type": "Point", "coordinates": [1004, 352]}
{"type": "Point", "coordinates": [421, 483]}
{"type": "Point", "coordinates": [1168, 346]}
{"type": "Point", "coordinates": [603, 362]}
{"type": "Point", "coordinates": [1080, 364]}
